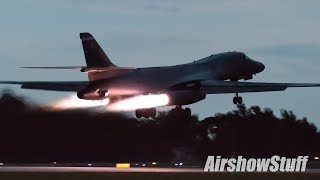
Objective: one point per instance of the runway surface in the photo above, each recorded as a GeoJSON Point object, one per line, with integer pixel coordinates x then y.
{"type": "Point", "coordinates": [140, 173]}
{"type": "Point", "coordinates": [94, 169]}
{"type": "Point", "coordinates": [109, 169]}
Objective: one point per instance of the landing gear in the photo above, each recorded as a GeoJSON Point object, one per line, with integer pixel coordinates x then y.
{"type": "Point", "coordinates": [237, 99]}
{"type": "Point", "coordinates": [138, 113]}
{"type": "Point", "coordinates": [179, 112]}
{"type": "Point", "coordinates": [149, 112]}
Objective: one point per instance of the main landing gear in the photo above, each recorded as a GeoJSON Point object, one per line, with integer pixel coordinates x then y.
{"type": "Point", "coordinates": [148, 112]}
{"type": "Point", "coordinates": [237, 99]}
{"type": "Point", "coordinates": [179, 112]}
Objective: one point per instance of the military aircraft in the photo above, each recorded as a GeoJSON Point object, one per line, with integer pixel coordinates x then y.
{"type": "Point", "coordinates": [183, 84]}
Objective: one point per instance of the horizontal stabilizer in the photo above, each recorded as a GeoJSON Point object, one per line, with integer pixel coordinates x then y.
{"type": "Point", "coordinates": [56, 67]}
{"type": "Point", "coordinates": [104, 69]}
{"type": "Point", "coordinates": [73, 86]}
{"type": "Point", "coordinates": [86, 69]}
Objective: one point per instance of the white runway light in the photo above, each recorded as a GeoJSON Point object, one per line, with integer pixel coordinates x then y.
{"type": "Point", "coordinates": [140, 102]}
{"type": "Point", "coordinates": [74, 102]}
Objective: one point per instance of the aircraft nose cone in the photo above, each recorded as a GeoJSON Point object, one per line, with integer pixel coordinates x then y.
{"type": "Point", "coordinates": [260, 68]}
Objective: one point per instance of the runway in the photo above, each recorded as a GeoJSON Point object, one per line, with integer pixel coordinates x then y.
{"type": "Point", "coordinates": [95, 169]}
{"type": "Point", "coordinates": [141, 173]}
{"type": "Point", "coordinates": [113, 169]}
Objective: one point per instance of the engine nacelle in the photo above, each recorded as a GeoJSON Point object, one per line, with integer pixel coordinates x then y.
{"type": "Point", "coordinates": [185, 97]}
{"type": "Point", "coordinates": [92, 95]}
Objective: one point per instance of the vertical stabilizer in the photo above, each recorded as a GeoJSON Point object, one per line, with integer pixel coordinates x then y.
{"type": "Point", "coordinates": [95, 56]}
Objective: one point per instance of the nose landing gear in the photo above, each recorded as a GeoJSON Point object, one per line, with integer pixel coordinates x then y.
{"type": "Point", "coordinates": [237, 99]}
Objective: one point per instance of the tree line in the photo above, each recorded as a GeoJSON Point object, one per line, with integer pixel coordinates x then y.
{"type": "Point", "coordinates": [32, 134]}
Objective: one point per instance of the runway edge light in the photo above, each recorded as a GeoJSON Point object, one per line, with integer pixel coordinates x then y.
{"type": "Point", "coordinates": [123, 165]}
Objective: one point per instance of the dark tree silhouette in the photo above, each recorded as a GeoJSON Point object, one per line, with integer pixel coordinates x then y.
{"type": "Point", "coordinates": [31, 134]}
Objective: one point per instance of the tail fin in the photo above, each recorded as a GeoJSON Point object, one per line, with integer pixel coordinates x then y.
{"type": "Point", "coordinates": [95, 56]}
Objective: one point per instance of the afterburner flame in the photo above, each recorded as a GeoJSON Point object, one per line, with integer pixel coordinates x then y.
{"type": "Point", "coordinates": [74, 102]}
{"type": "Point", "coordinates": [140, 102]}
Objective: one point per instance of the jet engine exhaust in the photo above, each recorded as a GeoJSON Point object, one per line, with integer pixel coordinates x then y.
{"type": "Point", "coordinates": [140, 102]}
{"type": "Point", "coordinates": [73, 102]}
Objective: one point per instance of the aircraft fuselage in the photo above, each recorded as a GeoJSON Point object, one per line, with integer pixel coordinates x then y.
{"type": "Point", "coordinates": [223, 66]}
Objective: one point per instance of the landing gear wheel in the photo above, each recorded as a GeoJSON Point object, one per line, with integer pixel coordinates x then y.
{"type": "Point", "coordinates": [138, 114]}
{"type": "Point", "coordinates": [147, 113]}
{"type": "Point", "coordinates": [237, 99]}
{"type": "Point", "coordinates": [188, 112]}
{"type": "Point", "coordinates": [153, 112]}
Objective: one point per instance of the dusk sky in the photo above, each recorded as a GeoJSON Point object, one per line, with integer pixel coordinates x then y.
{"type": "Point", "coordinates": [284, 35]}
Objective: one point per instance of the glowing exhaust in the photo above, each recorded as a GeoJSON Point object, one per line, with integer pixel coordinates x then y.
{"type": "Point", "coordinates": [140, 102]}
{"type": "Point", "coordinates": [74, 102]}
{"type": "Point", "coordinates": [137, 102]}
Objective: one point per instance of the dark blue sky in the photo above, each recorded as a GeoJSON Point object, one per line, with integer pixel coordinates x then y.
{"type": "Point", "coordinates": [284, 35]}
